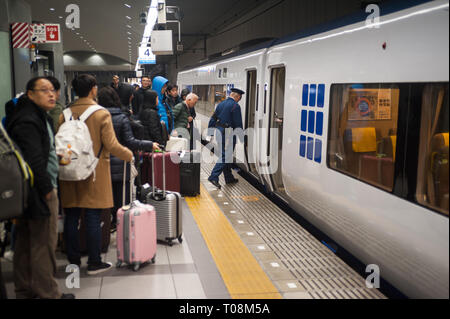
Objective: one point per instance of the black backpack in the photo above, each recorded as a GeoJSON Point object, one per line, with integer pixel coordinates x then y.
{"type": "Point", "coordinates": [16, 179]}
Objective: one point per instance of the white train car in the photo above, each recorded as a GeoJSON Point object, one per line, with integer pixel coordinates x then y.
{"type": "Point", "coordinates": [359, 145]}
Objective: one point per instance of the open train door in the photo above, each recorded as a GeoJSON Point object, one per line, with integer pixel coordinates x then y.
{"type": "Point", "coordinates": [249, 125]}
{"type": "Point", "coordinates": [275, 129]}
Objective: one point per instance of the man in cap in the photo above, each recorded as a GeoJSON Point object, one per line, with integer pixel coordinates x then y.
{"type": "Point", "coordinates": [227, 116]}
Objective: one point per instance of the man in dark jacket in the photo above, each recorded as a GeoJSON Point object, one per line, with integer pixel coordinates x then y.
{"type": "Point", "coordinates": [227, 115]}
{"type": "Point", "coordinates": [138, 100]}
{"type": "Point", "coordinates": [150, 119]}
{"type": "Point", "coordinates": [32, 129]}
{"type": "Point", "coordinates": [172, 97]}
{"type": "Point", "coordinates": [123, 90]}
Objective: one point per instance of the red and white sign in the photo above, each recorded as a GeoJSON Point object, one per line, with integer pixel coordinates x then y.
{"type": "Point", "coordinates": [20, 33]}
{"type": "Point", "coordinates": [52, 33]}
{"type": "Point", "coordinates": [45, 33]}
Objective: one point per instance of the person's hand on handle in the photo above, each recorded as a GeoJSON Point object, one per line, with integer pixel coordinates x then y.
{"type": "Point", "coordinates": [156, 146]}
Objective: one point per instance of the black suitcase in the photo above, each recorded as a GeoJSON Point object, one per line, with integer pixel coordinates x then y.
{"type": "Point", "coordinates": [190, 173]}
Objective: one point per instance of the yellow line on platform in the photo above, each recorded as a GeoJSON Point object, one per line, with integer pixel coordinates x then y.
{"type": "Point", "coordinates": [242, 274]}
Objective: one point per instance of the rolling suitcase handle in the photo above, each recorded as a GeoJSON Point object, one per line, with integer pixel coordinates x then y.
{"type": "Point", "coordinates": [157, 196]}
{"type": "Point", "coordinates": [124, 184]}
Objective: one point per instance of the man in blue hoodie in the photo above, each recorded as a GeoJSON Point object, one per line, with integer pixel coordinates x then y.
{"type": "Point", "coordinates": [165, 112]}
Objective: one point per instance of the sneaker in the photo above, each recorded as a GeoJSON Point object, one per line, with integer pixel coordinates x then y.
{"type": "Point", "coordinates": [9, 255]}
{"type": "Point", "coordinates": [67, 296]}
{"type": "Point", "coordinates": [97, 269]}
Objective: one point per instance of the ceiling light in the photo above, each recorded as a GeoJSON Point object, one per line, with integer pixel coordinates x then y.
{"type": "Point", "coordinates": [128, 26]}
{"type": "Point", "coordinates": [60, 17]}
{"type": "Point", "coordinates": [52, 9]}
{"type": "Point", "coordinates": [127, 5]}
{"type": "Point", "coordinates": [129, 38]}
{"type": "Point", "coordinates": [128, 17]}
{"type": "Point", "coordinates": [78, 33]}
{"type": "Point", "coordinates": [129, 32]}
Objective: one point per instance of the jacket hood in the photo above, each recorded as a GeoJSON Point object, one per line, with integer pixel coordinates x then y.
{"type": "Point", "coordinates": [157, 85]}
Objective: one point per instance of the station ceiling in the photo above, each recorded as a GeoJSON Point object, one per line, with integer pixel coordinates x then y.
{"type": "Point", "coordinates": [110, 26]}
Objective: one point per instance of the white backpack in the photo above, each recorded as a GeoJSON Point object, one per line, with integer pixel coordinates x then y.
{"type": "Point", "coordinates": [76, 134]}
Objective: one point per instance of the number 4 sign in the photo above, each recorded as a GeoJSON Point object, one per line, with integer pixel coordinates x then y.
{"type": "Point", "coordinates": [52, 33]}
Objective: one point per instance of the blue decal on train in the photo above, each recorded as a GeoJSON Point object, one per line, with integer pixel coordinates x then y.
{"type": "Point", "coordinates": [310, 148]}
{"type": "Point", "coordinates": [304, 120]}
{"type": "Point", "coordinates": [319, 123]}
{"type": "Point", "coordinates": [318, 151]}
{"type": "Point", "coordinates": [312, 95]}
{"type": "Point", "coordinates": [305, 95]}
{"type": "Point", "coordinates": [312, 121]}
{"type": "Point", "coordinates": [302, 145]}
{"type": "Point", "coordinates": [321, 95]}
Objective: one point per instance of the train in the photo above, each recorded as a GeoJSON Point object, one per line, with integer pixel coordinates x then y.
{"type": "Point", "coordinates": [350, 125]}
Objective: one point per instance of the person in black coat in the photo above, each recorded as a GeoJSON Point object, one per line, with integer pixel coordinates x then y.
{"type": "Point", "coordinates": [108, 98]}
{"type": "Point", "coordinates": [31, 128]}
{"type": "Point", "coordinates": [138, 100]}
{"type": "Point", "coordinates": [150, 119]}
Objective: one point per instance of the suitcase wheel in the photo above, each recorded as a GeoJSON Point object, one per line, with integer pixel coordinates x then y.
{"type": "Point", "coordinates": [118, 264]}
{"type": "Point", "coordinates": [153, 259]}
{"type": "Point", "coordinates": [170, 243]}
{"type": "Point", "coordinates": [180, 240]}
{"type": "Point", "coordinates": [136, 267]}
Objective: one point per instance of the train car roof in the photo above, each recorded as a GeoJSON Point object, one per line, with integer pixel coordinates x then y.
{"type": "Point", "coordinates": [389, 8]}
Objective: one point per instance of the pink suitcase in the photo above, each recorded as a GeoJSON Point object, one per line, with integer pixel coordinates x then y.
{"type": "Point", "coordinates": [136, 234]}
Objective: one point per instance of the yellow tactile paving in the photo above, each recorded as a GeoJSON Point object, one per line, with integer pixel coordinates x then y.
{"type": "Point", "coordinates": [243, 276]}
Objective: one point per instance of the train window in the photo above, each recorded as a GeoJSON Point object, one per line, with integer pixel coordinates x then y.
{"type": "Point", "coordinates": [202, 91]}
{"type": "Point", "coordinates": [363, 132]}
{"type": "Point", "coordinates": [432, 173]}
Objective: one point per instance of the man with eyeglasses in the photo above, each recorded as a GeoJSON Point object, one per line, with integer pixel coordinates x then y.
{"type": "Point", "coordinates": [31, 128]}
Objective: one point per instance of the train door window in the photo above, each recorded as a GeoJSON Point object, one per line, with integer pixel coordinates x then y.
{"type": "Point", "coordinates": [432, 175]}
{"type": "Point", "coordinates": [250, 118]}
{"type": "Point", "coordinates": [363, 132]}
{"type": "Point", "coordinates": [203, 95]}
{"type": "Point", "coordinates": [274, 148]}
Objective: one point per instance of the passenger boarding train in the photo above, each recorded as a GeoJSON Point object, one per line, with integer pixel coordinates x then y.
{"type": "Point", "coordinates": [362, 116]}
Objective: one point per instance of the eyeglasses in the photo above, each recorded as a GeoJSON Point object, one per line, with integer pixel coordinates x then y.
{"type": "Point", "coordinates": [45, 91]}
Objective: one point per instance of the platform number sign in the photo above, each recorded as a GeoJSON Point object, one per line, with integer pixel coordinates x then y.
{"type": "Point", "coordinates": [146, 56]}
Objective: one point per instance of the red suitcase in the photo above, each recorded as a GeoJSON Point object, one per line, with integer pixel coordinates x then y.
{"type": "Point", "coordinates": [172, 170]}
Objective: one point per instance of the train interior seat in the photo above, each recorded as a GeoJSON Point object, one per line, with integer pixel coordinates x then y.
{"type": "Point", "coordinates": [439, 194]}
{"type": "Point", "coordinates": [370, 158]}
{"type": "Point", "coordinates": [358, 142]}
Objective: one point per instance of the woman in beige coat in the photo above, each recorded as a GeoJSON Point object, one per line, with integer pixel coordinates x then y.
{"type": "Point", "coordinates": [91, 195]}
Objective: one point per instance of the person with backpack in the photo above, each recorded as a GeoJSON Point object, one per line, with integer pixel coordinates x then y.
{"type": "Point", "coordinates": [94, 192]}
{"type": "Point", "coordinates": [109, 99]}
{"type": "Point", "coordinates": [31, 128]}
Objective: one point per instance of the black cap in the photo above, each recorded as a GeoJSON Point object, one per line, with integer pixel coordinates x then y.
{"type": "Point", "coordinates": [238, 91]}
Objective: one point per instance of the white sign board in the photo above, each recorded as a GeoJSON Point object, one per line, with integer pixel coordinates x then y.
{"type": "Point", "coordinates": [146, 56]}
{"type": "Point", "coordinates": [45, 33]}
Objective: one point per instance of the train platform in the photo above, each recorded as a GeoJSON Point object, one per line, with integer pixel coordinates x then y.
{"type": "Point", "coordinates": [237, 244]}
